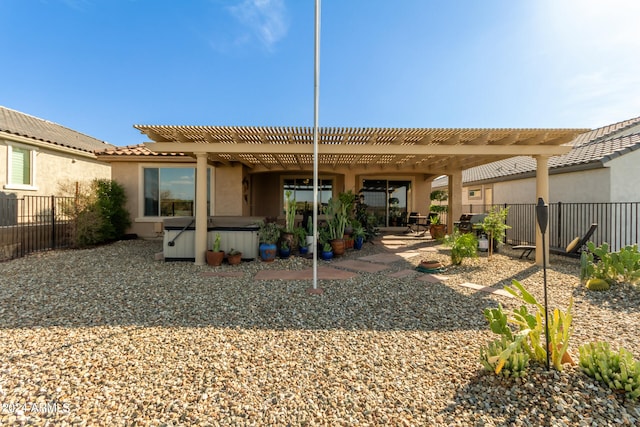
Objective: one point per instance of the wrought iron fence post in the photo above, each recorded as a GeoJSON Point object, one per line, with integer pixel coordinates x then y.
{"type": "Point", "coordinates": [53, 222]}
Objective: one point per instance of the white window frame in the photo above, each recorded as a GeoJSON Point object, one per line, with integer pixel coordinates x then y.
{"type": "Point", "coordinates": [141, 217]}
{"type": "Point", "coordinates": [32, 169]}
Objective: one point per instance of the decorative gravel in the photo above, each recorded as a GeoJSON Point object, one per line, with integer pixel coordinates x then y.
{"type": "Point", "coordinates": [111, 336]}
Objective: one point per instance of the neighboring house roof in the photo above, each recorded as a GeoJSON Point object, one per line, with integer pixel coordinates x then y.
{"type": "Point", "coordinates": [139, 150]}
{"type": "Point", "coordinates": [591, 150]}
{"type": "Point", "coordinates": [21, 124]}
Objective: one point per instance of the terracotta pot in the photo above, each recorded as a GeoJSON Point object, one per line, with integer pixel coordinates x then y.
{"type": "Point", "coordinates": [214, 258]}
{"type": "Point", "coordinates": [234, 259]}
{"type": "Point", "coordinates": [337, 246]}
{"type": "Point", "coordinates": [437, 231]}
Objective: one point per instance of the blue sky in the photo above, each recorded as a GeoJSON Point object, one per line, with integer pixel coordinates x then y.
{"type": "Point", "coordinates": [100, 66]}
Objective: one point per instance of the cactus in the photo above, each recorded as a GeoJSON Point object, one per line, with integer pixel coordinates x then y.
{"type": "Point", "coordinates": [505, 357]}
{"type": "Point", "coordinates": [618, 370]}
{"type": "Point", "coordinates": [597, 285]}
{"type": "Point", "coordinates": [216, 243]}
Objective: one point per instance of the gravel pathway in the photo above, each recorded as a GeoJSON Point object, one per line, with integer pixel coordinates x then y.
{"type": "Point", "coordinates": [110, 336]}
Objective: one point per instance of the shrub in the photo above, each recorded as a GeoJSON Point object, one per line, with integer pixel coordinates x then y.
{"type": "Point", "coordinates": [462, 246]}
{"type": "Point", "coordinates": [98, 213]}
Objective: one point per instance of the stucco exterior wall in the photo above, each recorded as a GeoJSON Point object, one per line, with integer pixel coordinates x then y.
{"type": "Point", "coordinates": [625, 179]}
{"type": "Point", "coordinates": [228, 190]}
{"type": "Point", "coordinates": [54, 169]}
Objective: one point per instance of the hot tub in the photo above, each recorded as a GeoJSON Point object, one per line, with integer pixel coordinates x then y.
{"type": "Point", "coordinates": [236, 232]}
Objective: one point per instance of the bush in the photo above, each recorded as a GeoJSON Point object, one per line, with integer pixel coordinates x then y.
{"type": "Point", "coordinates": [98, 213]}
{"type": "Point", "coordinates": [462, 246]}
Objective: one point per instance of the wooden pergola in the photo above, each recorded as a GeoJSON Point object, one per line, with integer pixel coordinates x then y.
{"type": "Point", "coordinates": [430, 151]}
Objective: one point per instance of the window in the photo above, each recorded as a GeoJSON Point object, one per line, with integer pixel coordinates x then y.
{"type": "Point", "coordinates": [20, 168]}
{"type": "Point", "coordinates": [302, 190]}
{"type": "Point", "coordinates": [475, 194]}
{"type": "Point", "coordinates": [171, 191]}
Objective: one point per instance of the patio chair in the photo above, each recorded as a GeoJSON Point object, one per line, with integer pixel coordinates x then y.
{"type": "Point", "coordinates": [572, 250]}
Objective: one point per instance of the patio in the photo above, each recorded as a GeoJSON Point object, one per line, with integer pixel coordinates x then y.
{"type": "Point", "coordinates": [115, 337]}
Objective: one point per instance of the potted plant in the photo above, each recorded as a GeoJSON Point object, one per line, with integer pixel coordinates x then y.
{"type": "Point", "coordinates": [495, 226]}
{"type": "Point", "coordinates": [326, 253]}
{"type": "Point", "coordinates": [348, 199]}
{"type": "Point", "coordinates": [309, 231]}
{"type": "Point", "coordinates": [358, 234]}
{"type": "Point", "coordinates": [285, 251]}
{"type": "Point", "coordinates": [268, 235]}
{"type": "Point", "coordinates": [290, 222]}
{"type": "Point", "coordinates": [436, 229]}
{"type": "Point", "coordinates": [337, 218]}
{"type": "Point", "coordinates": [234, 257]}
{"type": "Point", "coordinates": [301, 237]}
{"type": "Point", "coordinates": [215, 255]}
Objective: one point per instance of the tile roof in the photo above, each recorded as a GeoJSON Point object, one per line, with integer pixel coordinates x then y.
{"type": "Point", "coordinates": [136, 150]}
{"type": "Point", "coordinates": [595, 147]}
{"type": "Point", "coordinates": [21, 124]}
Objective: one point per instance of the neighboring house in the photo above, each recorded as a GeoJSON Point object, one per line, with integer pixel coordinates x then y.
{"type": "Point", "coordinates": [600, 170]}
{"type": "Point", "coordinates": [601, 167]}
{"type": "Point", "coordinates": [38, 156]}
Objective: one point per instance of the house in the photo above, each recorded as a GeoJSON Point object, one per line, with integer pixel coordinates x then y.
{"type": "Point", "coordinates": [601, 168]}
{"type": "Point", "coordinates": [37, 156]}
{"type": "Point", "coordinates": [245, 171]}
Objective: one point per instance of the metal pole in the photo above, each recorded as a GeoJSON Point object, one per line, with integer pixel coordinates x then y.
{"type": "Point", "coordinates": [542, 215]}
{"type": "Point", "coordinates": [316, 91]}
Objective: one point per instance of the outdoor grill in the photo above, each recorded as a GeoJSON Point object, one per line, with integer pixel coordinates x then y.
{"type": "Point", "coordinates": [470, 222]}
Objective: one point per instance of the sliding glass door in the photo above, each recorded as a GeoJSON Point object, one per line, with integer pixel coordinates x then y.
{"type": "Point", "coordinates": [386, 200]}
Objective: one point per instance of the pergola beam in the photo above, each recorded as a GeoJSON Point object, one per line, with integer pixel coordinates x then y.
{"type": "Point", "coordinates": [338, 149]}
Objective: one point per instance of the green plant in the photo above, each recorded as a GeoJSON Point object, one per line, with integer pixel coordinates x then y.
{"type": "Point", "coordinates": [530, 329]}
{"type": "Point", "coordinates": [435, 220]}
{"type": "Point", "coordinates": [289, 212]}
{"type": "Point", "coordinates": [326, 247]}
{"type": "Point", "coordinates": [618, 370]}
{"type": "Point", "coordinates": [505, 357]}
{"type": "Point", "coordinates": [269, 232]}
{"type": "Point", "coordinates": [337, 218]}
{"type": "Point", "coordinates": [438, 196]}
{"type": "Point", "coordinates": [358, 230]}
{"type": "Point", "coordinates": [597, 285]}
{"type": "Point", "coordinates": [462, 246]}
{"type": "Point", "coordinates": [622, 266]}
{"type": "Point", "coordinates": [216, 243]}
{"type": "Point", "coordinates": [284, 245]}
{"type": "Point", "coordinates": [309, 229]}
{"type": "Point", "coordinates": [494, 224]}
{"type": "Point", "coordinates": [99, 213]}
{"type": "Point", "coordinates": [233, 252]}
{"type": "Point", "coordinates": [560, 326]}
{"type": "Point", "coordinates": [301, 236]}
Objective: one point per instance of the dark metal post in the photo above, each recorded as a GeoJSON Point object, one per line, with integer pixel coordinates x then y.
{"type": "Point", "coordinates": [53, 222]}
{"type": "Point", "coordinates": [542, 215]}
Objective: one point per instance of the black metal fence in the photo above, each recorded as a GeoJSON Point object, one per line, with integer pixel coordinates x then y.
{"type": "Point", "coordinates": [617, 222]}
{"type": "Point", "coordinates": [33, 223]}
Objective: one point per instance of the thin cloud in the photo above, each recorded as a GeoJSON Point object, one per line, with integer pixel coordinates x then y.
{"type": "Point", "coordinates": [265, 19]}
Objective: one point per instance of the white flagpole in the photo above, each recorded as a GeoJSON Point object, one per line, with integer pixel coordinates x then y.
{"type": "Point", "coordinates": [316, 90]}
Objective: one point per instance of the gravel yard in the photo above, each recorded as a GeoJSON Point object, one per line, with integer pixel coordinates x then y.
{"type": "Point", "coordinates": [110, 336]}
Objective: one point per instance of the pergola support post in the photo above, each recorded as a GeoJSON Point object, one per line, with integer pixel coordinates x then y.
{"type": "Point", "coordinates": [542, 191]}
{"type": "Point", "coordinates": [201, 208]}
{"type": "Point", "coordinates": [455, 199]}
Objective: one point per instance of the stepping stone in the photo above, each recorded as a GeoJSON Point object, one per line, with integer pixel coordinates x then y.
{"type": "Point", "coordinates": [222, 274]}
{"type": "Point", "coordinates": [487, 289]}
{"type": "Point", "coordinates": [389, 258]}
{"type": "Point", "coordinates": [355, 265]}
{"type": "Point", "coordinates": [428, 249]}
{"type": "Point", "coordinates": [324, 273]}
{"type": "Point", "coordinates": [403, 273]}
{"type": "Point", "coordinates": [433, 278]}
